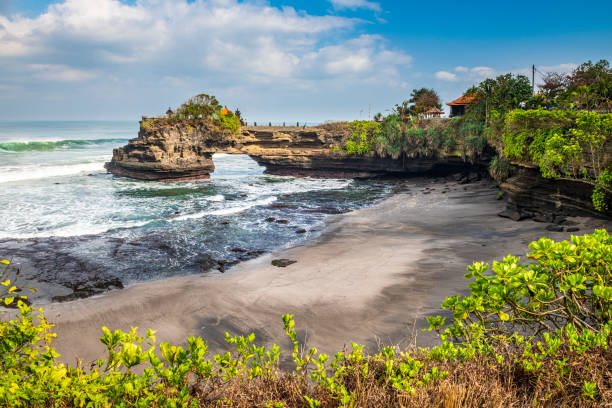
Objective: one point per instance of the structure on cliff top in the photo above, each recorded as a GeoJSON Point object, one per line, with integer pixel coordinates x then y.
{"type": "Point", "coordinates": [457, 107]}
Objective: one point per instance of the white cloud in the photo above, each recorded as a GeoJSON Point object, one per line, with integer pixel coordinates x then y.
{"type": "Point", "coordinates": [231, 48]}
{"type": "Point", "coordinates": [474, 75]}
{"type": "Point", "coordinates": [446, 76]}
{"type": "Point", "coordinates": [356, 4]}
{"type": "Point", "coordinates": [365, 55]}
{"type": "Point", "coordinates": [483, 72]}
{"type": "Point", "coordinates": [60, 73]}
{"type": "Point", "coordinates": [203, 37]}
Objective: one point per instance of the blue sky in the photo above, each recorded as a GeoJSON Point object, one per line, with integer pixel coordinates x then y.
{"type": "Point", "coordinates": [276, 60]}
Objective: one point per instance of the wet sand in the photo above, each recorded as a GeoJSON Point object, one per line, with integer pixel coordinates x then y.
{"type": "Point", "coordinates": [372, 277]}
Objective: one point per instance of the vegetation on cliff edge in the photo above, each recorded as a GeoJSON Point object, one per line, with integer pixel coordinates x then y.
{"type": "Point", "coordinates": [565, 130]}
{"type": "Point", "coordinates": [199, 109]}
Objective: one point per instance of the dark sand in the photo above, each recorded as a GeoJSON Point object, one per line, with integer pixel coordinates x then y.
{"type": "Point", "coordinates": [372, 277]}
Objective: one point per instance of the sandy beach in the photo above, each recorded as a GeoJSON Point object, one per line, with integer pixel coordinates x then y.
{"type": "Point", "coordinates": [372, 277]}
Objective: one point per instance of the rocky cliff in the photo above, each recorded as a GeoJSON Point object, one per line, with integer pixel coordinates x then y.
{"type": "Point", "coordinates": [183, 152]}
{"type": "Point", "coordinates": [531, 195]}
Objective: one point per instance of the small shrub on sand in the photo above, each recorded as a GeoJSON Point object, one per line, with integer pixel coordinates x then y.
{"type": "Point", "coordinates": [527, 335]}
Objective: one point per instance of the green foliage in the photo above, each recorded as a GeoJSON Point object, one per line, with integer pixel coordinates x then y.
{"type": "Point", "coordinates": [568, 283]}
{"type": "Point", "coordinates": [548, 322]}
{"type": "Point", "coordinates": [390, 139]}
{"type": "Point", "coordinates": [363, 136]}
{"type": "Point", "coordinates": [199, 106]}
{"type": "Point", "coordinates": [9, 291]}
{"type": "Point", "coordinates": [424, 138]}
{"type": "Point", "coordinates": [229, 121]}
{"type": "Point", "coordinates": [499, 168]}
{"type": "Point", "coordinates": [601, 196]}
{"type": "Point", "coordinates": [148, 124]}
{"type": "Point", "coordinates": [565, 144]}
{"type": "Point", "coordinates": [198, 110]}
{"type": "Point", "coordinates": [588, 87]}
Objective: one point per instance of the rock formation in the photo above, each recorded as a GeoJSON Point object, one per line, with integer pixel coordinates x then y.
{"type": "Point", "coordinates": [170, 152]}
{"type": "Point", "coordinates": [529, 194]}
{"type": "Point", "coordinates": [184, 152]}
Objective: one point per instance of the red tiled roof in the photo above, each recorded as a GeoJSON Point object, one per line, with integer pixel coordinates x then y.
{"type": "Point", "coordinates": [462, 100]}
{"type": "Point", "coordinates": [434, 110]}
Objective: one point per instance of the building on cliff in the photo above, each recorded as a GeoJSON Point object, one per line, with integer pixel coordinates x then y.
{"type": "Point", "coordinates": [434, 113]}
{"type": "Point", "coordinates": [457, 107]}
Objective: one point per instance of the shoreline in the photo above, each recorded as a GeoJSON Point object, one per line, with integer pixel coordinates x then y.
{"type": "Point", "coordinates": [372, 276]}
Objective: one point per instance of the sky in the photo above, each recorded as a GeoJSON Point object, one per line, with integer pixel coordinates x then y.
{"type": "Point", "coordinates": [280, 61]}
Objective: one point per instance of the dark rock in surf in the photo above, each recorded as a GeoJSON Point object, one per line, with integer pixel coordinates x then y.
{"type": "Point", "coordinates": [282, 263]}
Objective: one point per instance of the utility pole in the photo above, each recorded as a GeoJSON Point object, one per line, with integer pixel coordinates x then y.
{"type": "Point", "coordinates": [370, 112]}
{"type": "Point", "coordinates": [533, 79]}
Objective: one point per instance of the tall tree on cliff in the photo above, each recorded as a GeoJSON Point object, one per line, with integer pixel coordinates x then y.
{"type": "Point", "coordinates": [424, 99]}
{"type": "Point", "coordinates": [588, 87]}
{"type": "Point", "coordinates": [421, 100]}
{"type": "Point", "coordinates": [498, 96]}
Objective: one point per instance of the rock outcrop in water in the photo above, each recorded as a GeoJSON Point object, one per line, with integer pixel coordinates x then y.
{"type": "Point", "coordinates": [184, 152]}
{"type": "Point", "coordinates": [170, 152]}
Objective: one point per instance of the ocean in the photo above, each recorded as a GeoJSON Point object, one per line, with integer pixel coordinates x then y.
{"type": "Point", "coordinates": [76, 231]}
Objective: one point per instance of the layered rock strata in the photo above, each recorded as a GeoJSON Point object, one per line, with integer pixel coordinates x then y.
{"type": "Point", "coordinates": [530, 194]}
{"type": "Point", "coordinates": [184, 152]}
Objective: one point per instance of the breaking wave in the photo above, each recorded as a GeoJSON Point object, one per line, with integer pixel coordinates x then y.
{"type": "Point", "coordinates": [44, 146]}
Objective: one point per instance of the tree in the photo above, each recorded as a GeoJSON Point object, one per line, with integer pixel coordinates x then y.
{"type": "Point", "coordinates": [589, 86]}
{"type": "Point", "coordinates": [502, 94]}
{"type": "Point", "coordinates": [554, 85]}
{"type": "Point", "coordinates": [424, 99]}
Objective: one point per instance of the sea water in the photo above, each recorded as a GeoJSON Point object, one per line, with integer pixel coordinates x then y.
{"type": "Point", "coordinates": [73, 228]}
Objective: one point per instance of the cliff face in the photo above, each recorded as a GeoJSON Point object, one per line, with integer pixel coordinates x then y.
{"type": "Point", "coordinates": [166, 153]}
{"type": "Point", "coordinates": [529, 194]}
{"type": "Point", "coordinates": [183, 152]}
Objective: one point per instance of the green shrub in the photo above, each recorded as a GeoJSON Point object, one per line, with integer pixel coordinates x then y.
{"type": "Point", "coordinates": [568, 283]}
{"type": "Point", "coordinates": [526, 335]}
{"type": "Point", "coordinates": [564, 144]}
{"type": "Point", "coordinates": [363, 136]}
{"type": "Point", "coordinates": [229, 122]}
{"type": "Point", "coordinates": [499, 168]}
{"type": "Point", "coordinates": [390, 140]}
{"type": "Point", "coordinates": [197, 110]}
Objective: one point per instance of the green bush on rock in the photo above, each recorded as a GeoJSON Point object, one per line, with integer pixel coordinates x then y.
{"type": "Point", "coordinates": [363, 136]}
{"type": "Point", "coordinates": [564, 144]}
{"type": "Point", "coordinates": [199, 109]}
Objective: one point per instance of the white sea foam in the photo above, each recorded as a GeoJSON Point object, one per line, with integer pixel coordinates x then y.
{"type": "Point", "coordinates": [216, 198]}
{"type": "Point", "coordinates": [40, 172]}
{"type": "Point", "coordinates": [228, 210]}
{"type": "Point", "coordinates": [80, 230]}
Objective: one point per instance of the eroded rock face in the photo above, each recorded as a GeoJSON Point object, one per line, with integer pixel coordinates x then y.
{"type": "Point", "coordinates": [183, 152]}
{"type": "Point", "coordinates": [531, 194]}
{"type": "Point", "coordinates": [171, 152]}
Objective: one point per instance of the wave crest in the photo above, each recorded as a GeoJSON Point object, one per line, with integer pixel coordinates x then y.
{"type": "Point", "coordinates": [43, 146]}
